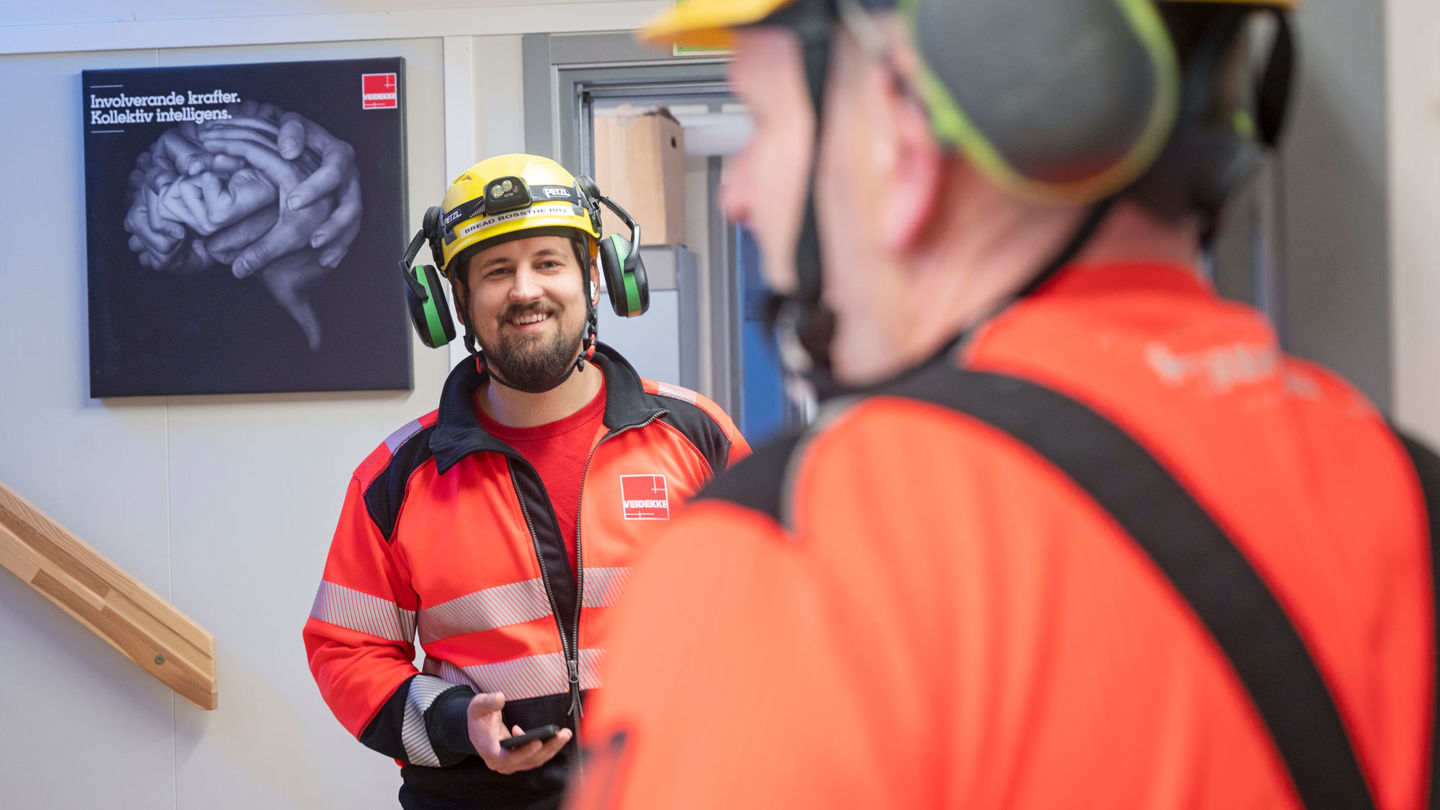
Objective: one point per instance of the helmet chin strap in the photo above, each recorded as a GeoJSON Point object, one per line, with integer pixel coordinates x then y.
{"type": "Point", "coordinates": [801, 323]}
{"type": "Point", "coordinates": [587, 346]}
{"type": "Point", "coordinates": [587, 354]}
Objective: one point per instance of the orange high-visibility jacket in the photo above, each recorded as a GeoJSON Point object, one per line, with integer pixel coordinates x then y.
{"type": "Point", "coordinates": [907, 607]}
{"type": "Point", "coordinates": [447, 532]}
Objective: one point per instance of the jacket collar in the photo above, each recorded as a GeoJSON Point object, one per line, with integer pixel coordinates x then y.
{"type": "Point", "coordinates": [458, 432]}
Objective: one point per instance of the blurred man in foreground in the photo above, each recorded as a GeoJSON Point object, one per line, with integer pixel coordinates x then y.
{"type": "Point", "coordinates": [1070, 530]}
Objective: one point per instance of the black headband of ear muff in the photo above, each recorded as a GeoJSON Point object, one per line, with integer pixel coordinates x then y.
{"type": "Point", "coordinates": [1209, 157]}
{"type": "Point", "coordinates": [424, 294]}
{"type": "Point", "coordinates": [621, 266]}
{"type": "Point", "coordinates": [1273, 93]}
{"type": "Point", "coordinates": [427, 233]}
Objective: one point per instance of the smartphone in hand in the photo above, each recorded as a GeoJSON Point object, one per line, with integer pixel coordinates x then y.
{"type": "Point", "coordinates": [540, 733]}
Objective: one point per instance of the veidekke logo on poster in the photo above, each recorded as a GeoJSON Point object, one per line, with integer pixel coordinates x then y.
{"type": "Point", "coordinates": [378, 91]}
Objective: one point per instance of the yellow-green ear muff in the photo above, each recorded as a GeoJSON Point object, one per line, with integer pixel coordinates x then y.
{"type": "Point", "coordinates": [430, 315]}
{"type": "Point", "coordinates": [626, 283]}
{"type": "Point", "coordinates": [424, 292]}
{"type": "Point", "coordinates": [1067, 113]}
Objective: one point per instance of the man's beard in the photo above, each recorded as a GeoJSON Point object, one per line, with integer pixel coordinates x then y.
{"type": "Point", "coordinates": [533, 362]}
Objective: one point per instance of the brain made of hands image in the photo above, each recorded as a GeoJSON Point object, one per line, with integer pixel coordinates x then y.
{"type": "Point", "coordinates": [264, 193]}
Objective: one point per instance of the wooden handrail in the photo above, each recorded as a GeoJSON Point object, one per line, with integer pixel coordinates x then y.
{"type": "Point", "coordinates": [114, 605]}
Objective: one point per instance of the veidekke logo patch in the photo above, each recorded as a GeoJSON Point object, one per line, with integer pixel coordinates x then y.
{"type": "Point", "coordinates": [645, 497]}
{"type": "Point", "coordinates": [378, 91]}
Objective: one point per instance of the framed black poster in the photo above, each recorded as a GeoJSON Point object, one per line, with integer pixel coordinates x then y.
{"type": "Point", "coordinates": [242, 225]}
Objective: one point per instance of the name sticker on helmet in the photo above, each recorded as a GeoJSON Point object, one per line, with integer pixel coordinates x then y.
{"type": "Point", "coordinates": [644, 497]}
{"type": "Point", "coordinates": [536, 210]}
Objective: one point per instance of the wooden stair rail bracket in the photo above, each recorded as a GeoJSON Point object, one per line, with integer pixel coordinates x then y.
{"type": "Point", "coordinates": [114, 605]}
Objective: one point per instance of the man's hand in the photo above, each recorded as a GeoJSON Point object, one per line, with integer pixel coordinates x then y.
{"type": "Point", "coordinates": [294, 135]}
{"type": "Point", "coordinates": [287, 278]}
{"type": "Point", "coordinates": [337, 172]}
{"type": "Point", "coordinates": [487, 729]}
{"type": "Point", "coordinates": [206, 202]}
{"type": "Point", "coordinates": [158, 245]}
{"type": "Point", "coordinates": [291, 233]}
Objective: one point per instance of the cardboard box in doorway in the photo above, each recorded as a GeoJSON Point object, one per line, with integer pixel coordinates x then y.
{"type": "Point", "coordinates": [640, 164]}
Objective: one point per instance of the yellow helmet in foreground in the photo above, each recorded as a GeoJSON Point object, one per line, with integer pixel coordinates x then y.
{"type": "Point", "coordinates": [1057, 101]}
{"type": "Point", "coordinates": [709, 23]}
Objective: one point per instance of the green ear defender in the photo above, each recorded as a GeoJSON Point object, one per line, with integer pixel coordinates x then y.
{"type": "Point", "coordinates": [620, 262]}
{"type": "Point", "coordinates": [424, 291]}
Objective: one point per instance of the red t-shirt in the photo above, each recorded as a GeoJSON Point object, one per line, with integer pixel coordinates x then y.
{"type": "Point", "coordinates": [558, 451]}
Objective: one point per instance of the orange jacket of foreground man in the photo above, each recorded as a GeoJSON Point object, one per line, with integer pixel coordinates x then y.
{"type": "Point", "coordinates": [1069, 530]}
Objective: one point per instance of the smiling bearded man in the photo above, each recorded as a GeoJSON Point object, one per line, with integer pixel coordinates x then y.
{"type": "Point", "coordinates": [500, 528]}
{"type": "Point", "coordinates": [536, 332]}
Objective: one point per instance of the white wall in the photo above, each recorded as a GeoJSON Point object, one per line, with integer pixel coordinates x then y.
{"type": "Point", "coordinates": [1334, 216]}
{"type": "Point", "coordinates": [224, 505]}
{"type": "Point", "coordinates": [38, 26]}
{"type": "Point", "coordinates": [1413, 44]}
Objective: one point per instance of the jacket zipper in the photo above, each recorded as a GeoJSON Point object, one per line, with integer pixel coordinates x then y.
{"type": "Point", "coordinates": [573, 664]}
{"type": "Point", "coordinates": [570, 644]}
{"type": "Point", "coordinates": [565, 642]}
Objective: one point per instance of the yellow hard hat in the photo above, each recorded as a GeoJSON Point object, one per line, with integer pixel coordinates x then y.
{"type": "Point", "coordinates": [504, 196]}
{"type": "Point", "coordinates": [1059, 142]}
{"type": "Point", "coordinates": [709, 23]}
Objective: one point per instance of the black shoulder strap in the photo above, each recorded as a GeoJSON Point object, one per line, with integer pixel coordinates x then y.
{"type": "Point", "coordinates": [1427, 466]}
{"type": "Point", "coordinates": [1193, 552]}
